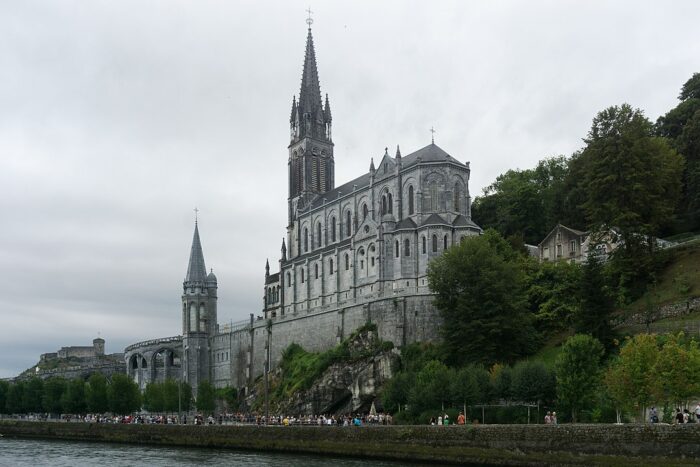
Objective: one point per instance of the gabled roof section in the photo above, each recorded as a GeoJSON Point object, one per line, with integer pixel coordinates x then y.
{"type": "Point", "coordinates": [406, 223]}
{"type": "Point", "coordinates": [430, 153]}
{"type": "Point", "coordinates": [560, 226]}
{"type": "Point", "coordinates": [196, 270]}
{"type": "Point", "coordinates": [434, 219]}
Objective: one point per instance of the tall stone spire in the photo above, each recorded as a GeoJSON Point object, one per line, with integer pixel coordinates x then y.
{"type": "Point", "coordinates": [196, 270]}
{"type": "Point", "coordinates": [310, 93]}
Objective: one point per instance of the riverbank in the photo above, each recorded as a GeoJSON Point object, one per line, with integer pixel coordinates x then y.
{"type": "Point", "coordinates": [482, 444]}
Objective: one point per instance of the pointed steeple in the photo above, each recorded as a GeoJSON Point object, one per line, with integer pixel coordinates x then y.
{"type": "Point", "coordinates": [310, 93]}
{"type": "Point", "coordinates": [196, 270]}
{"type": "Point", "coordinates": [267, 268]}
{"type": "Point", "coordinates": [294, 110]}
{"type": "Point", "coordinates": [398, 152]}
{"type": "Point", "coordinates": [371, 166]}
{"type": "Point", "coordinates": [327, 111]}
{"type": "Point", "coordinates": [284, 251]}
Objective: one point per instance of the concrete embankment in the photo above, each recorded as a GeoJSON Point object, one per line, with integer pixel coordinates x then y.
{"type": "Point", "coordinates": [485, 444]}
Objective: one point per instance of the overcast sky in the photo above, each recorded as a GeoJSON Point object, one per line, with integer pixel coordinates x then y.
{"type": "Point", "coordinates": [117, 118]}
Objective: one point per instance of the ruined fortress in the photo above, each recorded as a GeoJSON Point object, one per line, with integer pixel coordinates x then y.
{"type": "Point", "coordinates": [354, 253]}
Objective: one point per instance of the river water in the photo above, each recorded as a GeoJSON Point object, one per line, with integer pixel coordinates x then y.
{"type": "Point", "coordinates": [30, 452]}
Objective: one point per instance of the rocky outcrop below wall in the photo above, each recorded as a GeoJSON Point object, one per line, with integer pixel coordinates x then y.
{"type": "Point", "coordinates": [349, 386]}
{"type": "Point", "coordinates": [672, 310]}
{"type": "Point", "coordinates": [531, 445]}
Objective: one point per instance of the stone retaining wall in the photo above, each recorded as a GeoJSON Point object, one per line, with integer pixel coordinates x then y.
{"type": "Point", "coordinates": [484, 444]}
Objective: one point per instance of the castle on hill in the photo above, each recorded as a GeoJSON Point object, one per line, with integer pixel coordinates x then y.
{"type": "Point", "coordinates": [354, 253]}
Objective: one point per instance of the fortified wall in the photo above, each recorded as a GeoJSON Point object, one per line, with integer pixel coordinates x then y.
{"type": "Point", "coordinates": [238, 356]}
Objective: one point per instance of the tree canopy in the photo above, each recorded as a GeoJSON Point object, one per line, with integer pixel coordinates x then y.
{"type": "Point", "coordinates": [480, 293]}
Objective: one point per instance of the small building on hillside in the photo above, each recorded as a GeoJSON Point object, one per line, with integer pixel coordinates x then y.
{"type": "Point", "coordinates": [566, 244]}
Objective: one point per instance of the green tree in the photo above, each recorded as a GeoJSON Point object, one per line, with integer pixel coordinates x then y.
{"type": "Point", "coordinates": [73, 400]}
{"type": "Point", "coordinates": [480, 292]}
{"type": "Point", "coordinates": [96, 393]}
{"type": "Point", "coordinates": [632, 178]}
{"type": "Point", "coordinates": [4, 387]}
{"type": "Point", "coordinates": [396, 392]}
{"type": "Point", "coordinates": [123, 395]}
{"type": "Point", "coordinates": [206, 397]}
{"type": "Point", "coordinates": [15, 398]}
{"type": "Point", "coordinates": [630, 379]}
{"type": "Point", "coordinates": [53, 393]}
{"type": "Point", "coordinates": [171, 396]}
{"type": "Point", "coordinates": [229, 397]}
{"type": "Point", "coordinates": [467, 386]}
{"type": "Point", "coordinates": [524, 203]}
{"type": "Point", "coordinates": [553, 293]}
{"type": "Point", "coordinates": [432, 388]}
{"type": "Point", "coordinates": [153, 399]}
{"type": "Point", "coordinates": [532, 381]}
{"type": "Point", "coordinates": [33, 392]}
{"type": "Point", "coordinates": [578, 372]}
{"type": "Point", "coordinates": [501, 378]}
{"type": "Point", "coordinates": [185, 396]}
{"type": "Point", "coordinates": [676, 370]}
{"type": "Point", "coordinates": [595, 303]}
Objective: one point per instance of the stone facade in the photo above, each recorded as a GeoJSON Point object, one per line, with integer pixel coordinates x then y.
{"type": "Point", "coordinates": [352, 254]}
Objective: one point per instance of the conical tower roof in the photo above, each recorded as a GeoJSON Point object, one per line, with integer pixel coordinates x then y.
{"type": "Point", "coordinates": [310, 93]}
{"type": "Point", "coordinates": [196, 270]}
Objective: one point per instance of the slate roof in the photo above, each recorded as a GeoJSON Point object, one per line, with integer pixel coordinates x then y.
{"type": "Point", "coordinates": [272, 278]}
{"type": "Point", "coordinates": [461, 221]}
{"type": "Point", "coordinates": [430, 153]}
{"type": "Point", "coordinates": [196, 270]}
{"type": "Point", "coordinates": [434, 219]}
{"type": "Point", "coordinates": [406, 223]}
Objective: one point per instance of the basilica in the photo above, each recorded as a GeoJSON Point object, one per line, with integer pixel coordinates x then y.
{"type": "Point", "coordinates": [352, 253]}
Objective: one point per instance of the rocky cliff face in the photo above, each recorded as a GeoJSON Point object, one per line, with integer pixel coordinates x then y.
{"type": "Point", "coordinates": [350, 385]}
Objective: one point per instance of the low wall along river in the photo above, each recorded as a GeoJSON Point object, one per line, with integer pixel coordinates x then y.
{"type": "Point", "coordinates": [481, 444]}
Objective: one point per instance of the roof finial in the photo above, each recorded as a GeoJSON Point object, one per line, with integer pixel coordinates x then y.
{"type": "Point", "coordinates": [432, 130]}
{"type": "Point", "coordinates": [196, 215]}
{"type": "Point", "coordinates": [309, 20]}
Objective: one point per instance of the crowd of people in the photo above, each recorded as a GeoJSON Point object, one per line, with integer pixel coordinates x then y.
{"type": "Point", "coordinates": [686, 416]}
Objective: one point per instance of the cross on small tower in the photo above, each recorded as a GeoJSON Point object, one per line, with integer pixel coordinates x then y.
{"type": "Point", "coordinates": [432, 130]}
{"type": "Point", "coordinates": [309, 20]}
{"type": "Point", "coordinates": [196, 215]}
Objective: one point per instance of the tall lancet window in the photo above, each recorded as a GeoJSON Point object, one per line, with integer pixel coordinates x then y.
{"type": "Point", "coordinates": [433, 196]}
{"type": "Point", "coordinates": [318, 235]}
{"type": "Point", "coordinates": [193, 317]}
{"type": "Point", "coordinates": [332, 229]}
{"type": "Point", "coordinates": [348, 224]}
{"type": "Point", "coordinates": [457, 195]}
{"type": "Point", "coordinates": [306, 239]}
{"type": "Point", "coordinates": [410, 200]}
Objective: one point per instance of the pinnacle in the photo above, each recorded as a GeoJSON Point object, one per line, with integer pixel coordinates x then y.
{"type": "Point", "coordinates": [196, 270]}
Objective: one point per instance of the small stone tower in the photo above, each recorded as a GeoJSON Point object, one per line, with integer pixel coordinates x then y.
{"type": "Point", "coordinates": [199, 321]}
{"type": "Point", "coordinates": [99, 346]}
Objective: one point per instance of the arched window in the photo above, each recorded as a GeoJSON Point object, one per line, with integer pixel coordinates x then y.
{"type": "Point", "coordinates": [306, 239]}
{"type": "Point", "coordinates": [365, 211]}
{"type": "Point", "coordinates": [433, 196]}
{"type": "Point", "coordinates": [318, 235]}
{"type": "Point", "coordinates": [444, 242]}
{"type": "Point", "coordinates": [332, 229]}
{"type": "Point", "coordinates": [407, 247]}
{"type": "Point", "coordinates": [457, 195]}
{"type": "Point", "coordinates": [302, 275]}
{"type": "Point", "coordinates": [372, 261]}
{"type": "Point", "coordinates": [391, 203]}
{"type": "Point", "coordinates": [424, 242]}
{"type": "Point", "coordinates": [410, 200]}
{"type": "Point", "coordinates": [384, 208]}
{"type": "Point", "coordinates": [347, 262]}
{"type": "Point", "coordinates": [397, 248]}
{"type": "Point", "coordinates": [434, 243]}
{"type": "Point", "coordinates": [348, 224]}
{"type": "Point", "coordinates": [316, 270]}
{"type": "Point", "coordinates": [289, 280]}
{"type": "Point", "coordinates": [330, 264]}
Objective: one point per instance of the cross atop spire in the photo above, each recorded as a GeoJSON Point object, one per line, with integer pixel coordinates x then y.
{"type": "Point", "coordinates": [309, 20]}
{"type": "Point", "coordinates": [196, 215]}
{"type": "Point", "coordinates": [432, 130]}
